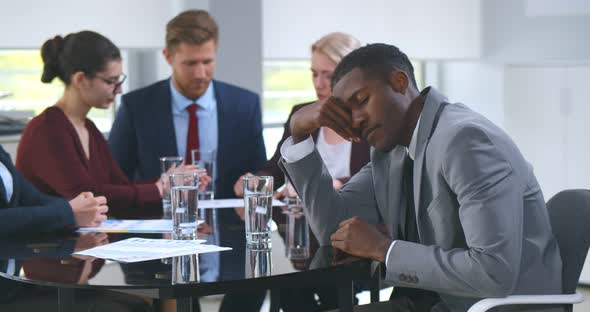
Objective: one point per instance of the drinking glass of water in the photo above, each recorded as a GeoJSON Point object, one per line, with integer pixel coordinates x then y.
{"type": "Point", "coordinates": [297, 234]}
{"type": "Point", "coordinates": [205, 159]}
{"type": "Point", "coordinates": [258, 262]}
{"type": "Point", "coordinates": [185, 269]}
{"type": "Point", "coordinates": [167, 163]}
{"type": "Point", "coordinates": [294, 203]}
{"type": "Point", "coordinates": [184, 196]}
{"type": "Point", "coordinates": [258, 210]}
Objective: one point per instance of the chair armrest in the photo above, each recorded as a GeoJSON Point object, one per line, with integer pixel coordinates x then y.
{"type": "Point", "coordinates": [486, 304]}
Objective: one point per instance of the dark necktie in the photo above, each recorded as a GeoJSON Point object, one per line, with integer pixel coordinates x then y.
{"type": "Point", "coordinates": [411, 233]}
{"type": "Point", "coordinates": [192, 136]}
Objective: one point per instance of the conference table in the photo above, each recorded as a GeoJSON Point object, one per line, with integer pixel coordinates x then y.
{"type": "Point", "coordinates": [48, 261]}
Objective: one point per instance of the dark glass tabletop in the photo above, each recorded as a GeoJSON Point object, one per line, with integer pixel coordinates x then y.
{"type": "Point", "coordinates": [48, 261]}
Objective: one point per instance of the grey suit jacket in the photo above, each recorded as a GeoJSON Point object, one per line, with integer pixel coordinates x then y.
{"type": "Point", "coordinates": [481, 217]}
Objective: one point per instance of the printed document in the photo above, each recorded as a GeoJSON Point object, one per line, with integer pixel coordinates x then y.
{"type": "Point", "coordinates": [137, 249]}
{"type": "Point", "coordinates": [230, 203]}
{"type": "Point", "coordinates": [133, 226]}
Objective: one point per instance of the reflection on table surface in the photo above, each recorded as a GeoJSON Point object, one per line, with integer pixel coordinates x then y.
{"type": "Point", "coordinates": [48, 260]}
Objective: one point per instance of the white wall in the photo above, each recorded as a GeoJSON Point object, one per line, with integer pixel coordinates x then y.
{"type": "Point", "coordinates": [516, 32]}
{"type": "Point", "coordinates": [422, 28]}
{"type": "Point", "coordinates": [519, 31]}
{"type": "Point", "coordinates": [557, 8]}
{"type": "Point", "coordinates": [547, 113]}
{"type": "Point", "coordinates": [478, 84]}
{"type": "Point", "coordinates": [129, 23]}
{"type": "Point", "coordinates": [139, 25]}
{"type": "Point", "coordinates": [240, 40]}
{"type": "Point", "coordinates": [544, 49]}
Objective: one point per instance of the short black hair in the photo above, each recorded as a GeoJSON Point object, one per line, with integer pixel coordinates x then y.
{"type": "Point", "coordinates": [377, 59]}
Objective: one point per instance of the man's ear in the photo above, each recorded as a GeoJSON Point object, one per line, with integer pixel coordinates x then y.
{"type": "Point", "coordinates": [399, 81]}
{"type": "Point", "coordinates": [168, 55]}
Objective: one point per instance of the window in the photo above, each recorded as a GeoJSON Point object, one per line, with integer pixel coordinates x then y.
{"type": "Point", "coordinates": [20, 76]}
{"type": "Point", "coordinates": [287, 83]}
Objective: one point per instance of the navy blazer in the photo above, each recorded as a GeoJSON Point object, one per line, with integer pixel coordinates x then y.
{"type": "Point", "coordinates": [30, 211]}
{"type": "Point", "coordinates": [143, 132]}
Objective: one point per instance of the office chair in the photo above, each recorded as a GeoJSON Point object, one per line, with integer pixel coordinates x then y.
{"type": "Point", "coordinates": [569, 214]}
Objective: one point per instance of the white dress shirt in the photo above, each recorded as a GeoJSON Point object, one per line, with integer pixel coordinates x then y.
{"type": "Point", "coordinates": [7, 180]}
{"type": "Point", "coordinates": [206, 115]}
{"type": "Point", "coordinates": [336, 157]}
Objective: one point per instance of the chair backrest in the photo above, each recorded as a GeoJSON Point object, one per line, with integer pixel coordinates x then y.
{"type": "Point", "coordinates": [569, 214]}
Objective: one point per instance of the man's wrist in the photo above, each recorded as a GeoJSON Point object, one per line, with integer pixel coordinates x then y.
{"type": "Point", "coordinates": [382, 249]}
{"type": "Point", "coordinates": [299, 133]}
{"type": "Point", "coordinates": [299, 137]}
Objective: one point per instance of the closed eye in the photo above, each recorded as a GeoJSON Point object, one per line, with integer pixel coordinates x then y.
{"type": "Point", "coordinates": [363, 101]}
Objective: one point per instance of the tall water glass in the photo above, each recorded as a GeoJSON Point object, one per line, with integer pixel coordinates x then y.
{"type": "Point", "coordinates": [185, 269]}
{"type": "Point", "coordinates": [167, 163]}
{"type": "Point", "coordinates": [184, 195]}
{"type": "Point", "coordinates": [297, 247]}
{"type": "Point", "coordinates": [258, 210]}
{"type": "Point", "coordinates": [258, 262]}
{"type": "Point", "coordinates": [205, 159]}
{"type": "Point", "coordinates": [292, 199]}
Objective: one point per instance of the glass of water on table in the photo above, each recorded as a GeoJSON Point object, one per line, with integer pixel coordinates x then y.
{"type": "Point", "coordinates": [205, 160]}
{"type": "Point", "coordinates": [184, 196]}
{"type": "Point", "coordinates": [258, 192]}
{"type": "Point", "coordinates": [166, 164]}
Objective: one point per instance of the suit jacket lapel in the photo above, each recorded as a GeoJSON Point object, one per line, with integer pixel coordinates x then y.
{"type": "Point", "coordinates": [3, 202]}
{"type": "Point", "coordinates": [224, 121]}
{"type": "Point", "coordinates": [428, 121]}
{"type": "Point", "coordinates": [387, 182]}
{"type": "Point", "coordinates": [165, 119]}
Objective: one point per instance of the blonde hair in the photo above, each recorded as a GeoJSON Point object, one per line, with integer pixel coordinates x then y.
{"type": "Point", "coordinates": [336, 45]}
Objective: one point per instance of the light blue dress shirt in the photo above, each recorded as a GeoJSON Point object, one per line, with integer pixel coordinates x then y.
{"type": "Point", "coordinates": [206, 114]}
{"type": "Point", "coordinates": [7, 180]}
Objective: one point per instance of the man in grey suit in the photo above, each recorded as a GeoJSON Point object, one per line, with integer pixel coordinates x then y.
{"type": "Point", "coordinates": [464, 215]}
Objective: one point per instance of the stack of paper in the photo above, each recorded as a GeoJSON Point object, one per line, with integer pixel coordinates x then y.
{"type": "Point", "coordinates": [230, 203]}
{"type": "Point", "coordinates": [142, 249]}
{"type": "Point", "coordinates": [133, 226]}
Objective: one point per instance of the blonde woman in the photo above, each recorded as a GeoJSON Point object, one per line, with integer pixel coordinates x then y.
{"type": "Point", "coordinates": [342, 158]}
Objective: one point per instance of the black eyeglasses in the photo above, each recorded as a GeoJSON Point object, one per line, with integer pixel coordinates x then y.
{"type": "Point", "coordinates": [116, 82]}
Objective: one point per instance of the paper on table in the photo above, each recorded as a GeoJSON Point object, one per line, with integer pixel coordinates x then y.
{"type": "Point", "coordinates": [133, 226]}
{"type": "Point", "coordinates": [137, 249]}
{"type": "Point", "coordinates": [230, 203]}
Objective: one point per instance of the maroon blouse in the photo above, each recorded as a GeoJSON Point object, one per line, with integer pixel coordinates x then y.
{"type": "Point", "coordinates": [50, 155]}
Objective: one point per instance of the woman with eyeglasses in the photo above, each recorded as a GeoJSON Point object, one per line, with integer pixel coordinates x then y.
{"type": "Point", "coordinates": [61, 151]}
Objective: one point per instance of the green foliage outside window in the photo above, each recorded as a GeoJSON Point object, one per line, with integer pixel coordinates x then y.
{"type": "Point", "coordinates": [20, 74]}
{"type": "Point", "coordinates": [287, 83]}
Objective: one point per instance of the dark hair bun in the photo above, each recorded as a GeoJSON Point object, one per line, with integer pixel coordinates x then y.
{"type": "Point", "coordinates": [50, 52]}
